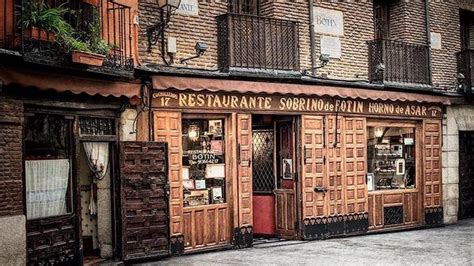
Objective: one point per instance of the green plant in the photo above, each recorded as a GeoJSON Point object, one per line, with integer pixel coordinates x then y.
{"type": "Point", "coordinates": [97, 45]}
{"type": "Point", "coordinates": [72, 44]}
{"type": "Point", "coordinates": [38, 14]}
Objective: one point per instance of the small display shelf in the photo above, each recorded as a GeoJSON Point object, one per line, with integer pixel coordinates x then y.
{"type": "Point", "coordinates": [391, 161]}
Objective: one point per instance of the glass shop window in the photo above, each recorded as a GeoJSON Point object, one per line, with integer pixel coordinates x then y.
{"type": "Point", "coordinates": [203, 161]}
{"type": "Point", "coordinates": [391, 158]}
{"type": "Point", "coordinates": [47, 166]}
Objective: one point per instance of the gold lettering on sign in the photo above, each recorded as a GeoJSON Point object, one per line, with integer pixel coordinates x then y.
{"type": "Point", "coordinates": [292, 104]}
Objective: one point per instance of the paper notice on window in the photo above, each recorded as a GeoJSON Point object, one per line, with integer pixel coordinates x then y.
{"type": "Point", "coordinates": [215, 171]}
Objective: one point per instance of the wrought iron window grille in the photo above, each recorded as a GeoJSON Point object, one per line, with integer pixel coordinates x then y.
{"type": "Point", "coordinates": [96, 126]}
{"type": "Point", "coordinates": [263, 169]}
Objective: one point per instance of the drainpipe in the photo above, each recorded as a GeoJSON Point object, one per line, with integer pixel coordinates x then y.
{"type": "Point", "coordinates": [311, 35]}
{"type": "Point", "coordinates": [428, 38]}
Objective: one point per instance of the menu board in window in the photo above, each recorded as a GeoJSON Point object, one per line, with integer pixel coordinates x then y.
{"type": "Point", "coordinates": [204, 161]}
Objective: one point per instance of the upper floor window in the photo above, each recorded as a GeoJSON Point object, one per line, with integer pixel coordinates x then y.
{"type": "Point", "coordinates": [381, 19]}
{"type": "Point", "coordinates": [247, 7]}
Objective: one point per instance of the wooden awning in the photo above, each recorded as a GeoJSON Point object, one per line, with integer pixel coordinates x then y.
{"type": "Point", "coordinates": [63, 83]}
{"type": "Point", "coordinates": [214, 85]}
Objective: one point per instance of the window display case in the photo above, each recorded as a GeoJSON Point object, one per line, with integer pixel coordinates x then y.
{"type": "Point", "coordinates": [391, 158]}
{"type": "Point", "coordinates": [203, 161]}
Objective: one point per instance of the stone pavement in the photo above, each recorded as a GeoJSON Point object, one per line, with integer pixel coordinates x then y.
{"type": "Point", "coordinates": [452, 245]}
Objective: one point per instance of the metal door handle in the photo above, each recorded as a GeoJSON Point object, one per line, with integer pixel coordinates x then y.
{"type": "Point", "coordinates": [320, 189]}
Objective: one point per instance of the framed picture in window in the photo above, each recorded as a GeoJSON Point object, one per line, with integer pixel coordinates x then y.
{"type": "Point", "coordinates": [216, 147]}
{"type": "Point", "coordinates": [215, 127]}
{"type": "Point", "coordinates": [200, 184]}
{"type": "Point", "coordinates": [397, 150]}
{"type": "Point", "coordinates": [287, 169]}
{"type": "Point", "coordinates": [370, 181]}
{"type": "Point", "coordinates": [400, 166]}
{"type": "Point", "coordinates": [188, 184]}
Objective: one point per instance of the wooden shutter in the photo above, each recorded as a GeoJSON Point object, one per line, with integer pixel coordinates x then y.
{"type": "Point", "coordinates": [244, 164]}
{"type": "Point", "coordinates": [432, 163]}
{"type": "Point", "coordinates": [244, 171]}
{"type": "Point", "coordinates": [144, 201]}
{"type": "Point", "coordinates": [313, 165]}
{"type": "Point", "coordinates": [335, 172]}
{"type": "Point", "coordinates": [168, 129]}
{"type": "Point", "coordinates": [355, 152]}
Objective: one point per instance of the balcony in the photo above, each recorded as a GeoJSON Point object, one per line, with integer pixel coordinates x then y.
{"type": "Point", "coordinates": [398, 62]}
{"type": "Point", "coordinates": [48, 43]}
{"type": "Point", "coordinates": [465, 62]}
{"type": "Point", "coordinates": [254, 42]}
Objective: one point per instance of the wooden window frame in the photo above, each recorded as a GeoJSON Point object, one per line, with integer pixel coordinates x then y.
{"type": "Point", "coordinates": [417, 126]}
{"type": "Point", "coordinates": [238, 6]}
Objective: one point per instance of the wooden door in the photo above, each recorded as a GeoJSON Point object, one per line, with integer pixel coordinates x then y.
{"type": "Point", "coordinates": [313, 170]}
{"type": "Point", "coordinates": [355, 166]}
{"type": "Point", "coordinates": [285, 196]}
{"type": "Point", "coordinates": [167, 128]}
{"type": "Point", "coordinates": [334, 167]}
{"type": "Point", "coordinates": [144, 201]}
{"type": "Point", "coordinates": [244, 169]}
{"type": "Point", "coordinates": [466, 174]}
{"type": "Point", "coordinates": [333, 185]}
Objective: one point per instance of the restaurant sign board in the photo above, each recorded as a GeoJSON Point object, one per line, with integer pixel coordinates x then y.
{"type": "Point", "coordinates": [290, 103]}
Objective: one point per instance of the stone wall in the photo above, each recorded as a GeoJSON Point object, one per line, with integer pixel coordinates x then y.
{"type": "Point", "coordinates": [458, 118]}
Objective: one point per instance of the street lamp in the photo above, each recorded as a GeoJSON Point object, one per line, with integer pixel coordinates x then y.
{"type": "Point", "coordinates": [171, 5]}
{"type": "Point", "coordinates": [156, 31]}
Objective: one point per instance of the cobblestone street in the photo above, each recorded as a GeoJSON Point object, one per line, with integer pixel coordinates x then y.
{"type": "Point", "coordinates": [453, 245]}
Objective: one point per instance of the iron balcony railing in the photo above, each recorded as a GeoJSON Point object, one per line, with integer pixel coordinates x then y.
{"type": "Point", "coordinates": [247, 41]}
{"type": "Point", "coordinates": [465, 62]}
{"type": "Point", "coordinates": [398, 62]}
{"type": "Point", "coordinates": [115, 29]}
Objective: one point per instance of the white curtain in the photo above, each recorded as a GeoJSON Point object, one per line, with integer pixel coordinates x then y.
{"type": "Point", "coordinates": [98, 157]}
{"type": "Point", "coordinates": [97, 154]}
{"type": "Point", "coordinates": [46, 187]}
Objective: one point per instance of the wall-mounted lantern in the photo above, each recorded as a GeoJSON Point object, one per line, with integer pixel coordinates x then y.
{"type": "Point", "coordinates": [156, 32]}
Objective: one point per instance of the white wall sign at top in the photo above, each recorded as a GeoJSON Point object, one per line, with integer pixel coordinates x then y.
{"type": "Point", "coordinates": [328, 21]}
{"type": "Point", "coordinates": [435, 40]}
{"type": "Point", "coordinates": [331, 45]}
{"type": "Point", "coordinates": [188, 7]}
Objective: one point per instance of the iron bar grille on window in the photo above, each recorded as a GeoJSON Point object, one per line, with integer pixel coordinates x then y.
{"type": "Point", "coordinates": [262, 170]}
{"type": "Point", "coordinates": [247, 41]}
{"type": "Point", "coordinates": [465, 61]}
{"type": "Point", "coordinates": [393, 215]}
{"type": "Point", "coordinates": [96, 126]}
{"type": "Point", "coordinates": [404, 62]}
{"type": "Point", "coordinates": [43, 46]}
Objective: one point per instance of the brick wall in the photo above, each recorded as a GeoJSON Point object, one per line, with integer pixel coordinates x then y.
{"type": "Point", "coordinates": [11, 188]}
{"type": "Point", "coordinates": [445, 20]}
{"type": "Point", "coordinates": [358, 29]}
{"type": "Point", "coordinates": [407, 23]}
{"type": "Point", "coordinates": [186, 29]}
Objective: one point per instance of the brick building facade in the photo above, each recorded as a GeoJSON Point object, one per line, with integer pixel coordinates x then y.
{"type": "Point", "coordinates": [407, 21]}
{"type": "Point", "coordinates": [397, 68]}
{"type": "Point", "coordinates": [396, 46]}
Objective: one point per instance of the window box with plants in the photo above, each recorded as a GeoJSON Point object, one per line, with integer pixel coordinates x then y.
{"type": "Point", "coordinates": [42, 23]}
{"type": "Point", "coordinates": [92, 49]}
{"type": "Point", "coordinates": [84, 45]}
